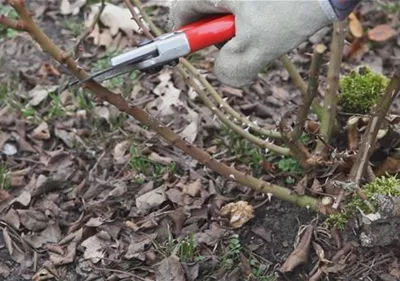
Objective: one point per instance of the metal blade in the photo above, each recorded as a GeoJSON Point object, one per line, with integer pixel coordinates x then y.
{"type": "Point", "coordinates": [117, 70]}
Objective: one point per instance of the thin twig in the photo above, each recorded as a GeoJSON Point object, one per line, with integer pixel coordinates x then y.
{"type": "Point", "coordinates": [89, 29]}
{"type": "Point", "coordinates": [145, 119]}
{"type": "Point", "coordinates": [368, 140]}
{"type": "Point", "coordinates": [328, 120]}
{"type": "Point", "coordinates": [299, 82]}
{"type": "Point", "coordinates": [237, 129]}
{"type": "Point", "coordinates": [297, 148]}
{"type": "Point", "coordinates": [221, 103]}
{"type": "Point", "coordinates": [138, 19]}
{"type": "Point", "coordinates": [312, 91]}
{"type": "Point", "coordinates": [10, 23]}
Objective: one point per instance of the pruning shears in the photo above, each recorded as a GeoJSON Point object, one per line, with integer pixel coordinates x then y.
{"type": "Point", "coordinates": [151, 56]}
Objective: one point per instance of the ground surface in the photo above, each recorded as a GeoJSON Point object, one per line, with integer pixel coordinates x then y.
{"type": "Point", "coordinates": [95, 196]}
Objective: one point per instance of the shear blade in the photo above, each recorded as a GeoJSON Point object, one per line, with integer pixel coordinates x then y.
{"type": "Point", "coordinates": [116, 70]}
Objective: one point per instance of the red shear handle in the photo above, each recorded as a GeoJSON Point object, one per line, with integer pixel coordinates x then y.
{"type": "Point", "coordinates": [208, 32]}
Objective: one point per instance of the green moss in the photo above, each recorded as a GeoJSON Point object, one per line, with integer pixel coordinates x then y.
{"type": "Point", "coordinates": [361, 90]}
{"type": "Point", "coordinates": [389, 186]}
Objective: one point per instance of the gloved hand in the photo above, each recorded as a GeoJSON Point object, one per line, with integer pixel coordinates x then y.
{"type": "Point", "coordinates": [265, 29]}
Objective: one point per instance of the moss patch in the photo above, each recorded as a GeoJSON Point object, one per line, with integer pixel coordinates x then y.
{"type": "Point", "coordinates": [361, 90]}
{"type": "Point", "coordinates": [389, 186]}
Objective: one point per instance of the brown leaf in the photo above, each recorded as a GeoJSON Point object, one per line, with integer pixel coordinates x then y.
{"type": "Point", "coordinates": [4, 195]}
{"type": "Point", "coordinates": [8, 241]}
{"type": "Point", "coordinates": [11, 218]}
{"type": "Point", "coordinates": [42, 275]}
{"type": "Point", "coordinates": [159, 159]}
{"type": "Point", "coordinates": [262, 233]}
{"type": "Point", "coordinates": [381, 33]}
{"type": "Point", "coordinates": [4, 270]}
{"type": "Point", "coordinates": [66, 258]}
{"type": "Point", "coordinates": [192, 271]}
{"type": "Point", "coordinates": [151, 199]}
{"type": "Point", "coordinates": [170, 269]}
{"type": "Point", "coordinates": [245, 265]}
{"type": "Point", "coordinates": [390, 165]}
{"type": "Point", "coordinates": [94, 247]}
{"type": "Point", "coordinates": [316, 187]}
{"type": "Point", "coordinates": [300, 254]}
{"type": "Point", "coordinates": [32, 220]}
{"type": "Point", "coordinates": [41, 132]}
{"type": "Point", "coordinates": [136, 248]}
{"type": "Point", "coordinates": [355, 26]}
{"type": "Point", "coordinates": [47, 69]}
{"type": "Point", "coordinates": [319, 251]}
{"type": "Point", "coordinates": [210, 236]}
{"type": "Point", "coordinates": [301, 186]}
{"type": "Point", "coordinates": [120, 153]}
{"type": "Point", "coordinates": [174, 195]}
{"type": "Point", "coordinates": [17, 181]}
{"type": "Point", "coordinates": [67, 137]}
{"type": "Point", "coordinates": [193, 189]}
{"type": "Point", "coordinates": [239, 212]}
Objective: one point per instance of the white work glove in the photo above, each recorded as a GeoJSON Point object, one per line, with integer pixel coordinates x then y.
{"type": "Point", "coordinates": [265, 30]}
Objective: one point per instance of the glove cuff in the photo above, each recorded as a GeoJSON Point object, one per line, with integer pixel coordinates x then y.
{"type": "Point", "coordinates": [338, 9]}
{"type": "Point", "coordinates": [326, 6]}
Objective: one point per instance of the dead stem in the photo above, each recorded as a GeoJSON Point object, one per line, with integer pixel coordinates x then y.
{"type": "Point", "coordinates": [311, 92]}
{"type": "Point", "coordinates": [82, 37]}
{"type": "Point", "coordinates": [328, 120]}
{"type": "Point", "coordinates": [145, 119]}
{"type": "Point", "coordinates": [138, 19]}
{"type": "Point", "coordinates": [299, 82]}
{"type": "Point", "coordinates": [297, 148]}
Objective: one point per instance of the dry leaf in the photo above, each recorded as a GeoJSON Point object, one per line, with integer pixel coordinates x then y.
{"type": "Point", "coordinates": [381, 33]}
{"type": "Point", "coordinates": [239, 212]}
{"type": "Point", "coordinates": [300, 254]}
{"type": "Point", "coordinates": [33, 220]}
{"type": "Point", "coordinates": [168, 96]}
{"type": "Point", "coordinates": [170, 269]}
{"type": "Point", "coordinates": [159, 159]}
{"type": "Point", "coordinates": [47, 69]}
{"type": "Point", "coordinates": [210, 236]}
{"type": "Point", "coordinates": [42, 275]}
{"type": "Point", "coordinates": [120, 153]}
{"type": "Point", "coordinates": [115, 18]}
{"type": "Point", "coordinates": [151, 199]}
{"type": "Point", "coordinates": [137, 248]}
{"type": "Point", "coordinates": [390, 165]}
{"type": "Point", "coordinates": [51, 234]}
{"type": "Point", "coordinates": [40, 93]}
{"type": "Point", "coordinates": [190, 132]}
{"type": "Point", "coordinates": [94, 246]}
{"type": "Point", "coordinates": [66, 258]}
{"type": "Point", "coordinates": [301, 186]}
{"type": "Point", "coordinates": [41, 132]}
{"type": "Point", "coordinates": [67, 8]}
{"type": "Point", "coordinates": [193, 189]}
{"type": "Point", "coordinates": [8, 241]}
{"type": "Point", "coordinates": [67, 137]}
{"type": "Point", "coordinates": [4, 270]}
{"type": "Point", "coordinates": [4, 195]}
{"type": "Point", "coordinates": [355, 26]}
